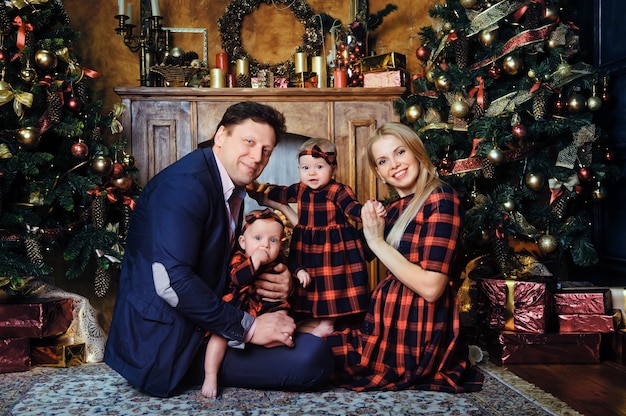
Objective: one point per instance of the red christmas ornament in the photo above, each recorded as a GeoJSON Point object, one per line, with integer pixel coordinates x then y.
{"type": "Point", "coordinates": [518, 131]}
{"type": "Point", "coordinates": [561, 103]}
{"type": "Point", "coordinates": [584, 173]}
{"type": "Point", "coordinates": [609, 155]}
{"type": "Point", "coordinates": [124, 183]}
{"type": "Point", "coordinates": [3, 55]}
{"type": "Point", "coordinates": [495, 72]}
{"type": "Point", "coordinates": [423, 53]}
{"type": "Point", "coordinates": [74, 104]}
{"type": "Point", "coordinates": [118, 170]}
{"type": "Point", "coordinates": [80, 150]}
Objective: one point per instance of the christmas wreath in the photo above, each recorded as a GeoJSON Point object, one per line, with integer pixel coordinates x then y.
{"type": "Point", "coordinates": [230, 33]}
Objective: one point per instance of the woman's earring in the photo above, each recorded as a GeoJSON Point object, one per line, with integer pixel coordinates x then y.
{"type": "Point", "coordinates": [384, 181]}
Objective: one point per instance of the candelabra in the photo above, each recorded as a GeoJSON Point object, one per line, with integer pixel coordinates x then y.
{"type": "Point", "coordinates": [151, 43]}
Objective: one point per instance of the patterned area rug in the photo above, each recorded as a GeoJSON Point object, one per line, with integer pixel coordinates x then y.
{"type": "Point", "coordinates": [95, 389]}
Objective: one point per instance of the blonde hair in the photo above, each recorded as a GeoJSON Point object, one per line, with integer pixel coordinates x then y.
{"type": "Point", "coordinates": [427, 178]}
{"type": "Point", "coordinates": [325, 145]}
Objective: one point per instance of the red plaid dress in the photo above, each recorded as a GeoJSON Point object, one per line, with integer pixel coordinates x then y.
{"type": "Point", "coordinates": [406, 342]}
{"type": "Point", "coordinates": [240, 290]}
{"type": "Point", "coordinates": [327, 246]}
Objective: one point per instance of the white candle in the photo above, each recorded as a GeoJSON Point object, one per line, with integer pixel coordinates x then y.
{"type": "Point", "coordinates": [155, 8]}
{"type": "Point", "coordinates": [129, 12]}
{"type": "Point", "coordinates": [120, 7]}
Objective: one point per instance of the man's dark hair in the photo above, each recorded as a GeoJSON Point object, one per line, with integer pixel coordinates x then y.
{"type": "Point", "coordinates": [259, 113]}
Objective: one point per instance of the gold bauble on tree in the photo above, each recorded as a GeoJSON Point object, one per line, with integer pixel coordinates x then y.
{"type": "Point", "coordinates": [129, 161]}
{"type": "Point", "coordinates": [495, 156]}
{"type": "Point", "coordinates": [102, 165]}
{"type": "Point", "coordinates": [459, 108]}
{"type": "Point", "coordinates": [468, 4]}
{"type": "Point", "coordinates": [547, 244]}
{"type": "Point", "coordinates": [413, 113]}
{"type": "Point", "coordinates": [534, 181]}
{"type": "Point", "coordinates": [576, 103]}
{"type": "Point", "coordinates": [443, 83]}
{"type": "Point", "coordinates": [512, 64]}
{"type": "Point", "coordinates": [46, 60]}
{"type": "Point", "coordinates": [487, 37]}
{"type": "Point", "coordinates": [594, 103]}
{"type": "Point", "coordinates": [29, 137]}
{"type": "Point", "coordinates": [509, 205]}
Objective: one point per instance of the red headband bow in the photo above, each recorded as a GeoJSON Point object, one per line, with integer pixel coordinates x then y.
{"type": "Point", "coordinates": [266, 214]}
{"type": "Point", "coordinates": [329, 157]}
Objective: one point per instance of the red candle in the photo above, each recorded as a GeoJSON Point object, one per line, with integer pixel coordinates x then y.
{"type": "Point", "coordinates": [341, 78]}
{"type": "Point", "coordinates": [221, 61]}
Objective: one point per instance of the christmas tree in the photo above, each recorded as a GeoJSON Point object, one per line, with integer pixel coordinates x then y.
{"type": "Point", "coordinates": [509, 115]}
{"type": "Point", "coordinates": [65, 179]}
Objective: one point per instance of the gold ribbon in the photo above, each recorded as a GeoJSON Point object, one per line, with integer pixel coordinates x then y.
{"type": "Point", "coordinates": [5, 153]}
{"type": "Point", "coordinates": [118, 110]}
{"type": "Point", "coordinates": [20, 99]}
{"type": "Point", "coordinates": [556, 186]}
{"type": "Point", "coordinates": [509, 313]}
{"type": "Point", "coordinates": [20, 4]}
{"type": "Point", "coordinates": [494, 14]}
{"type": "Point", "coordinates": [568, 155]}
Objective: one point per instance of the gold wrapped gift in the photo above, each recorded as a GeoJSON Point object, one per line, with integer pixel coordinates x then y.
{"type": "Point", "coordinates": [384, 62]}
{"type": "Point", "coordinates": [57, 352]}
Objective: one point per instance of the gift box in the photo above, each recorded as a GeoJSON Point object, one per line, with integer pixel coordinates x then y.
{"type": "Point", "coordinates": [583, 301]}
{"type": "Point", "coordinates": [14, 355]}
{"type": "Point", "coordinates": [613, 347]}
{"type": "Point", "coordinates": [515, 305]}
{"type": "Point", "coordinates": [510, 347]}
{"type": "Point", "coordinates": [618, 300]}
{"type": "Point", "coordinates": [586, 323]}
{"type": "Point", "coordinates": [384, 62]}
{"type": "Point", "coordinates": [57, 352]}
{"type": "Point", "coordinates": [34, 318]}
{"type": "Point", "coordinates": [395, 78]}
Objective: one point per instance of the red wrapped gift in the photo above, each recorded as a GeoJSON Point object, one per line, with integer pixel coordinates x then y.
{"type": "Point", "coordinates": [586, 323]}
{"type": "Point", "coordinates": [14, 354]}
{"type": "Point", "coordinates": [550, 348]}
{"type": "Point", "coordinates": [583, 300]}
{"type": "Point", "coordinates": [34, 318]}
{"type": "Point", "coordinates": [614, 346]}
{"type": "Point", "coordinates": [60, 351]}
{"type": "Point", "coordinates": [514, 305]}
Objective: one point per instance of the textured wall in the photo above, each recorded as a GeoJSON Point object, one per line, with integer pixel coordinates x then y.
{"type": "Point", "coordinates": [268, 34]}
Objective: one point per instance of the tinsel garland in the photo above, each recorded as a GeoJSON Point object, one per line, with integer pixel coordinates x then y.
{"type": "Point", "coordinates": [230, 33]}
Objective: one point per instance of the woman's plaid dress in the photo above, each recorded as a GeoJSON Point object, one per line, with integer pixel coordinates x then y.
{"type": "Point", "coordinates": [406, 342]}
{"type": "Point", "coordinates": [327, 246]}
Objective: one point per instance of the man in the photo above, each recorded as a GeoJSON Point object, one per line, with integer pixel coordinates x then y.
{"type": "Point", "coordinates": [175, 268]}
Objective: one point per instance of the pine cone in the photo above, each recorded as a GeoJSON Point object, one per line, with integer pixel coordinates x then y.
{"type": "Point", "coordinates": [59, 10]}
{"type": "Point", "coordinates": [102, 282]}
{"type": "Point", "coordinates": [559, 206]}
{"type": "Point", "coordinates": [489, 170]}
{"type": "Point", "coordinates": [33, 250]}
{"type": "Point", "coordinates": [126, 214]}
{"type": "Point", "coordinates": [96, 134]}
{"type": "Point", "coordinates": [81, 91]}
{"type": "Point", "coordinates": [243, 81]}
{"type": "Point", "coordinates": [5, 20]}
{"type": "Point", "coordinates": [540, 105]}
{"type": "Point", "coordinates": [99, 212]}
{"type": "Point", "coordinates": [532, 17]}
{"type": "Point", "coordinates": [501, 254]}
{"type": "Point", "coordinates": [55, 107]}
{"type": "Point", "coordinates": [461, 51]}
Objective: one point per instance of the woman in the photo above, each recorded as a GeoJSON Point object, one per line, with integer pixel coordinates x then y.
{"type": "Point", "coordinates": [410, 337]}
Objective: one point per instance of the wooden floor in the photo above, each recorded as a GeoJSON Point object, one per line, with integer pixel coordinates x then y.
{"type": "Point", "coordinates": [593, 390]}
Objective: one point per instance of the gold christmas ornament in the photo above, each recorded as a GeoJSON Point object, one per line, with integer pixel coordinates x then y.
{"type": "Point", "coordinates": [413, 113]}
{"type": "Point", "coordinates": [547, 244]}
{"type": "Point", "coordinates": [28, 74]}
{"type": "Point", "coordinates": [594, 103]}
{"type": "Point", "coordinates": [488, 37]}
{"type": "Point", "coordinates": [29, 137]}
{"type": "Point", "coordinates": [443, 84]}
{"type": "Point", "coordinates": [46, 60]}
{"type": "Point", "coordinates": [468, 4]}
{"type": "Point", "coordinates": [599, 192]}
{"type": "Point", "coordinates": [564, 69]}
{"type": "Point", "coordinates": [512, 64]}
{"type": "Point", "coordinates": [532, 73]}
{"type": "Point", "coordinates": [508, 205]}
{"type": "Point", "coordinates": [459, 108]}
{"type": "Point", "coordinates": [495, 156]}
{"type": "Point", "coordinates": [534, 181]}
{"type": "Point", "coordinates": [124, 183]}
{"type": "Point", "coordinates": [576, 103]}
{"type": "Point", "coordinates": [129, 161]}
{"type": "Point", "coordinates": [102, 165]}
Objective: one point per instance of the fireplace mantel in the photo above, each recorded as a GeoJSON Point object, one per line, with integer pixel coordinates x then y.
{"type": "Point", "coordinates": [163, 124]}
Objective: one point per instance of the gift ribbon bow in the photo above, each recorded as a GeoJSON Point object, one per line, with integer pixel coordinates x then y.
{"type": "Point", "coordinates": [266, 214]}
{"type": "Point", "coordinates": [20, 99]}
{"type": "Point", "coordinates": [316, 152]}
{"type": "Point", "coordinates": [567, 156]}
{"type": "Point", "coordinates": [118, 110]}
{"type": "Point", "coordinates": [556, 186]}
{"type": "Point", "coordinates": [479, 91]}
{"type": "Point", "coordinates": [73, 66]}
{"type": "Point", "coordinates": [21, 32]}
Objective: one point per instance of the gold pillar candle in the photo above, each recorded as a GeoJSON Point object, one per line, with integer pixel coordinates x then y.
{"type": "Point", "coordinates": [301, 63]}
{"type": "Point", "coordinates": [318, 65]}
{"type": "Point", "coordinates": [243, 67]}
{"type": "Point", "coordinates": [218, 78]}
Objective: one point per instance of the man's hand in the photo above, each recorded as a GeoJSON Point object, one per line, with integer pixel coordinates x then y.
{"type": "Point", "coordinates": [274, 286]}
{"type": "Point", "coordinates": [274, 329]}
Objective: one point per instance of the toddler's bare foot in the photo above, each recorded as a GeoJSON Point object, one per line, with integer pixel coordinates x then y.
{"type": "Point", "coordinates": [318, 327]}
{"type": "Point", "coordinates": [209, 387]}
